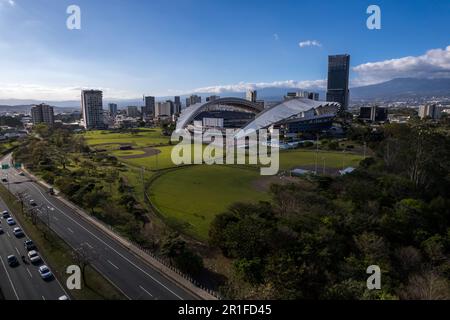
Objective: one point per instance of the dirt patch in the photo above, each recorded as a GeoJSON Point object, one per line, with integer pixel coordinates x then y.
{"type": "Point", "coordinates": [263, 183]}
{"type": "Point", "coordinates": [148, 152]}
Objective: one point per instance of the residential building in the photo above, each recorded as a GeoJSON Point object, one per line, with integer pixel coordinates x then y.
{"type": "Point", "coordinates": [133, 112]}
{"type": "Point", "coordinates": [112, 109]}
{"type": "Point", "coordinates": [42, 113]}
{"type": "Point", "coordinates": [92, 108]}
{"type": "Point", "coordinates": [430, 111]}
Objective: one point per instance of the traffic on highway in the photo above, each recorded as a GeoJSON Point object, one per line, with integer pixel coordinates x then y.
{"type": "Point", "coordinates": [130, 274]}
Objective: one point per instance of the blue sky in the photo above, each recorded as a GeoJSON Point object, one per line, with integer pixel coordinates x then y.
{"type": "Point", "coordinates": [165, 47]}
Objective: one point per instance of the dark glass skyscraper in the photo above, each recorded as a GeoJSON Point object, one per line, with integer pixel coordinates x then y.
{"type": "Point", "coordinates": [338, 75]}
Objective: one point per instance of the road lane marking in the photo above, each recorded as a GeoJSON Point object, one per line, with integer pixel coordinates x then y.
{"type": "Point", "coordinates": [9, 236]}
{"type": "Point", "coordinates": [55, 218]}
{"type": "Point", "coordinates": [43, 298]}
{"type": "Point", "coordinates": [70, 230]}
{"type": "Point", "coordinates": [113, 264]}
{"type": "Point", "coordinates": [90, 247]}
{"type": "Point", "coordinates": [31, 276]}
{"type": "Point", "coordinates": [17, 250]}
{"type": "Point", "coordinates": [146, 291]}
{"type": "Point", "coordinates": [9, 278]}
{"type": "Point", "coordinates": [118, 253]}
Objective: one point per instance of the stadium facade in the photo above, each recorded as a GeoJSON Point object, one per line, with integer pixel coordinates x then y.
{"type": "Point", "coordinates": [294, 115]}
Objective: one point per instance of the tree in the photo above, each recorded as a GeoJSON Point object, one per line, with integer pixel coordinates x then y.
{"type": "Point", "coordinates": [84, 257]}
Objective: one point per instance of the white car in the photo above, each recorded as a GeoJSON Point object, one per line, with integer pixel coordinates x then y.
{"type": "Point", "coordinates": [45, 272]}
{"type": "Point", "coordinates": [64, 297]}
{"type": "Point", "coordinates": [34, 256]}
{"type": "Point", "coordinates": [18, 232]}
{"type": "Point", "coordinates": [10, 221]}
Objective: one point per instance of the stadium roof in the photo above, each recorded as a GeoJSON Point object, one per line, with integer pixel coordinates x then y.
{"type": "Point", "coordinates": [188, 114]}
{"type": "Point", "coordinates": [285, 110]}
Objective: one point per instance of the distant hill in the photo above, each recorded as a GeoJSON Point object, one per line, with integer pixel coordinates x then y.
{"type": "Point", "coordinates": [396, 89]}
{"type": "Point", "coordinates": [403, 88]}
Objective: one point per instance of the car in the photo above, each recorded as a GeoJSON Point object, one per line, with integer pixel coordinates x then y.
{"type": "Point", "coordinates": [12, 261]}
{"type": "Point", "coordinates": [5, 214]}
{"type": "Point", "coordinates": [33, 203]}
{"type": "Point", "coordinates": [45, 272]}
{"type": "Point", "coordinates": [18, 232]}
{"type": "Point", "coordinates": [29, 245]}
{"type": "Point", "coordinates": [4, 180]}
{"type": "Point", "coordinates": [34, 256]}
{"type": "Point", "coordinates": [22, 174]}
{"type": "Point", "coordinates": [10, 221]}
{"type": "Point", "coordinates": [1, 230]}
{"type": "Point", "coordinates": [64, 297]}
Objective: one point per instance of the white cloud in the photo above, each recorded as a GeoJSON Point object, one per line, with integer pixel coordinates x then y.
{"type": "Point", "coordinates": [309, 43]}
{"type": "Point", "coordinates": [244, 86]}
{"type": "Point", "coordinates": [56, 93]}
{"type": "Point", "coordinates": [434, 63]}
{"type": "Point", "coordinates": [276, 37]}
{"type": "Point", "coordinates": [10, 3]}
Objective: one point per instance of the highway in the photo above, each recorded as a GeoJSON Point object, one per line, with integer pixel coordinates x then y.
{"type": "Point", "coordinates": [24, 281]}
{"type": "Point", "coordinates": [136, 279]}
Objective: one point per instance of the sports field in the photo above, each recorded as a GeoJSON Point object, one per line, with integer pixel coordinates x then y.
{"type": "Point", "coordinates": [191, 197]}
{"type": "Point", "coordinates": [143, 138]}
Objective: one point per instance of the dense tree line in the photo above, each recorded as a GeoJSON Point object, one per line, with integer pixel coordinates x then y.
{"type": "Point", "coordinates": [316, 239]}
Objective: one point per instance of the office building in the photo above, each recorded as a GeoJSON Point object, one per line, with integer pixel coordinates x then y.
{"type": "Point", "coordinates": [430, 111]}
{"type": "Point", "coordinates": [251, 95]}
{"type": "Point", "coordinates": [112, 109]}
{"type": "Point", "coordinates": [302, 94]}
{"type": "Point", "coordinates": [133, 112]}
{"type": "Point", "coordinates": [193, 100]}
{"type": "Point", "coordinates": [42, 113]}
{"type": "Point", "coordinates": [212, 98]}
{"type": "Point", "coordinates": [92, 108]}
{"type": "Point", "coordinates": [338, 78]}
{"type": "Point", "coordinates": [177, 104]}
{"type": "Point", "coordinates": [373, 114]}
{"type": "Point", "coordinates": [149, 106]}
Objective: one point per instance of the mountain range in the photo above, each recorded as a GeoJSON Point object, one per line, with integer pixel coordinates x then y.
{"type": "Point", "coordinates": [393, 90]}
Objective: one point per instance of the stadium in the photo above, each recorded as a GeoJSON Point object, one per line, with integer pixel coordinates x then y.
{"type": "Point", "coordinates": [291, 116]}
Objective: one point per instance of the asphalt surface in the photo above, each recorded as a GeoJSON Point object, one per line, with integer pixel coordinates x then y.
{"type": "Point", "coordinates": [136, 279]}
{"type": "Point", "coordinates": [22, 282]}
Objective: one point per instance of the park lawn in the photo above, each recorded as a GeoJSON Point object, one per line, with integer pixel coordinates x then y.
{"type": "Point", "coordinates": [162, 160]}
{"type": "Point", "coordinates": [297, 158]}
{"type": "Point", "coordinates": [122, 153]}
{"type": "Point", "coordinates": [144, 138]}
{"type": "Point", "coordinates": [191, 197]}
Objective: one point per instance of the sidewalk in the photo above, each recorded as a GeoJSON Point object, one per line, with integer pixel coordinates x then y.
{"type": "Point", "coordinates": [161, 268]}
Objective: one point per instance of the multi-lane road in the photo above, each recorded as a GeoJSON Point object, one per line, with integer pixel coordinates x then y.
{"type": "Point", "coordinates": [22, 282]}
{"type": "Point", "coordinates": [135, 278]}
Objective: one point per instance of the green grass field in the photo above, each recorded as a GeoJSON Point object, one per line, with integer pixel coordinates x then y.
{"type": "Point", "coordinates": [191, 197]}
{"type": "Point", "coordinates": [297, 158]}
{"type": "Point", "coordinates": [144, 138]}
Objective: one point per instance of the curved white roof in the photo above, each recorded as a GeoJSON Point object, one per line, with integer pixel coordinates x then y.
{"type": "Point", "coordinates": [284, 111]}
{"type": "Point", "coordinates": [188, 114]}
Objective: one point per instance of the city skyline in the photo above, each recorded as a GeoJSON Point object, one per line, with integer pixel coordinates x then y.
{"type": "Point", "coordinates": [137, 51]}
